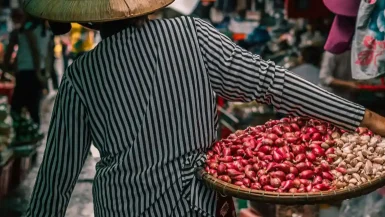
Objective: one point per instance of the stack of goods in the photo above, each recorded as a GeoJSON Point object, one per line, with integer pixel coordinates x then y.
{"type": "Point", "coordinates": [297, 155]}
{"type": "Point", "coordinates": [6, 130]}
{"type": "Point", "coordinates": [26, 130]}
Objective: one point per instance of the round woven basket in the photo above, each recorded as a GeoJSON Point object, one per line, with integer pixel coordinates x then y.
{"type": "Point", "coordinates": [228, 189]}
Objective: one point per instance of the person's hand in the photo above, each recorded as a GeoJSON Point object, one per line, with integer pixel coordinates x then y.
{"type": "Point", "coordinates": [374, 122]}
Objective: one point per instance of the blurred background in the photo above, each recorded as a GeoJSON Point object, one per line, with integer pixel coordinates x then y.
{"type": "Point", "coordinates": [292, 33]}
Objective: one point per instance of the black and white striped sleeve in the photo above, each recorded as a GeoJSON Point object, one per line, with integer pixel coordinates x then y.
{"type": "Point", "coordinates": [67, 147]}
{"type": "Point", "coordinates": [238, 75]}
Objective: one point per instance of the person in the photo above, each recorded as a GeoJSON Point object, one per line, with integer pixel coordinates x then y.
{"type": "Point", "coordinates": [82, 40]}
{"type": "Point", "coordinates": [32, 40]}
{"type": "Point", "coordinates": [309, 62]}
{"type": "Point", "coordinates": [336, 74]}
{"type": "Point", "coordinates": [145, 97]}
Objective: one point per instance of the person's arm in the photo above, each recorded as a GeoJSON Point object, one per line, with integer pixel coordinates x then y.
{"type": "Point", "coordinates": [237, 75]}
{"type": "Point", "coordinates": [10, 49]}
{"type": "Point", "coordinates": [326, 73]}
{"type": "Point", "coordinates": [68, 144]}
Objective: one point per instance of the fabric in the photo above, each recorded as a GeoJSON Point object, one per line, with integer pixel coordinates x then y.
{"type": "Point", "coordinates": [348, 8]}
{"type": "Point", "coordinates": [308, 72]}
{"type": "Point", "coordinates": [336, 67]}
{"type": "Point", "coordinates": [80, 38]}
{"type": "Point", "coordinates": [24, 53]}
{"type": "Point", "coordinates": [368, 47]}
{"type": "Point", "coordinates": [27, 93]}
{"type": "Point", "coordinates": [340, 35]}
{"type": "Point", "coordinates": [145, 97]}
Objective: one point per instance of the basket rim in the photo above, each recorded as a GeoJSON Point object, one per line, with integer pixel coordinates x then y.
{"type": "Point", "coordinates": [228, 189]}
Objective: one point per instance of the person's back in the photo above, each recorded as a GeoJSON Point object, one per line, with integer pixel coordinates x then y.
{"type": "Point", "coordinates": [336, 74]}
{"type": "Point", "coordinates": [24, 57]}
{"type": "Point", "coordinates": [148, 148]}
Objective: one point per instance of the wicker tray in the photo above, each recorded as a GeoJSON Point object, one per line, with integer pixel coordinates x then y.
{"type": "Point", "coordinates": [228, 189]}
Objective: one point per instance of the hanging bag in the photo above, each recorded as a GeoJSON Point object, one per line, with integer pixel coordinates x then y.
{"type": "Point", "coordinates": [368, 47]}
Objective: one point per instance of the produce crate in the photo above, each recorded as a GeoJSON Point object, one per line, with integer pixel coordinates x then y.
{"type": "Point", "coordinates": [6, 168]}
{"type": "Point", "coordinates": [24, 158]}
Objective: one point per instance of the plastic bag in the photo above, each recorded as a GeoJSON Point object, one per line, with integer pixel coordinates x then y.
{"type": "Point", "coordinates": [370, 205]}
{"type": "Point", "coordinates": [368, 47]}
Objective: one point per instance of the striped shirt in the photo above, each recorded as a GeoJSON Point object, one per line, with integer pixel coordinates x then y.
{"type": "Point", "coordinates": [146, 98]}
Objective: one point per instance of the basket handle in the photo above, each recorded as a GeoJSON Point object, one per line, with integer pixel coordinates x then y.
{"type": "Point", "coordinates": [200, 173]}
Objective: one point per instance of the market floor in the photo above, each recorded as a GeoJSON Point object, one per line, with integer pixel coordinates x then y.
{"type": "Point", "coordinates": [81, 201]}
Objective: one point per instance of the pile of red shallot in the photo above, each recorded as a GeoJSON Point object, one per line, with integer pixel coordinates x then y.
{"type": "Point", "coordinates": [295, 155]}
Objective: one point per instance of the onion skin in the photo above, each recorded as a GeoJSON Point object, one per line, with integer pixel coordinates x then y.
{"type": "Point", "coordinates": [293, 190]}
{"type": "Point", "coordinates": [278, 174]}
{"type": "Point", "coordinates": [309, 188]}
{"type": "Point", "coordinates": [268, 142]}
{"type": "Point", "coordinates": [272, 136]}
{"type": "Point", "coordinates": [296, 183]}
{"type": "Point", "coordinates": [300, 158]}
{"type": "Point", "coordinates": [275, 182]}
{"type": "Point", "coordinates": [256, 167]}
{"type": "Point", "coordinates": [318, 151]}
{"type": "Point", "coordinates": [269, 188]}
{"type": "Point", "coordinates": [292, 139]}
{"type": "Point", "coordinates": [264, 180]}
{"type": "Point", "coordinates": [255, 186]}
{"type": "Point", "coordinates": [226, 159]}
{"type": "Point", "coordinates": [238, 183]}
{"type": "Point", "coordinates": [270, 166]}
{"type": "Point", "coordinates": [325, 166]}
{"type": "Point", "coordinates": [268, 158]}
{"type": "Point", "coordinates": [240, 152]}
{"type": "Point", "coordinates": [265, 149]}
{"type": "Point", "coordinates": [246, 182]}
{"type": "Point", "coordinates": [290, 176]}
{"type": "Point", "coordinates": [225, 178]}
{"type": "Point", "coordinates": [283, 167]}
{"type": "Point", "coordinates": [310, 156]}
{"type": "Point", "coordinates": [217, 149]}
{"type": "Point", "coordinates": [298, 149]}
{"type": "Point", "coordinates": [305, 182]}
{"type": "Point", "coordinates": [239, 177]}
{"type": "Point", "coordinates": [306, 137]}
{"type": "Point", "coordinates": [244, 163]}
{"type": "Point", "coordinates": [279, 142]}
{"type": "Point", "coordinates": [343, 171]}
{"type": "Point", "coordinates": [327, 175]}
{"type": "Point", "coordinates": [287, 185]}
{"type": "Point", "coordinates": [251, 175]}
{"type": "Point", "coordinates": [301, 166]}
{"type": "Point", "coordinates": [322, 187]}
{"type": "Point", "coordinates": [294, 170]}
{"type": "Point", "coordinates": [317, 170]}
{"type": "Point", "coordinates": [317, 180]}
{"type": "Point", "coordinates": [330, 151]}
{"type": "Point", "coordinates": [307, 174]}
{"type": "Point", "coordinates": [249, 153]}
{"type": "Point", "coordinates": [295, 127]}
{"type": "Point", "coordinates": [277, 157]}
{"type": "Point", "coordinates": [222, 169]}
{"type": "Point", "coordinates": [233, 172]}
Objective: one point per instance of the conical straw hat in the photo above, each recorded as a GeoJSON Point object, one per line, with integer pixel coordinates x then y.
{"type": "Point", "coordinates": [91, 10]}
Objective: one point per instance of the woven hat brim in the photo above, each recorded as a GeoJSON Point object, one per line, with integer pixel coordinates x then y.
{"type": "Point", "coordinates": [92, 10]}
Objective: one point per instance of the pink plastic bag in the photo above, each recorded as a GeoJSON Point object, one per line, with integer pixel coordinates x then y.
{"type": "Point", "coordinates": [368, 47]}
